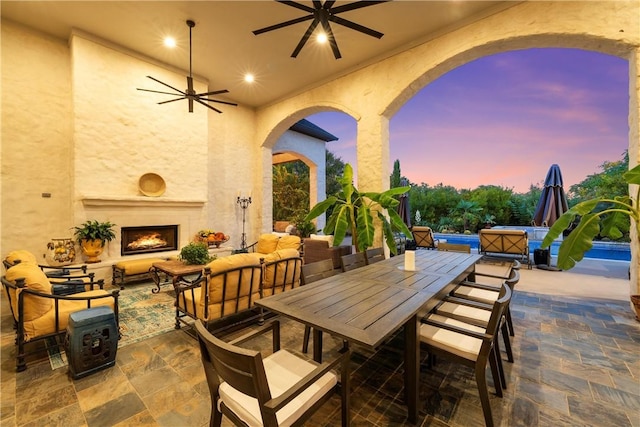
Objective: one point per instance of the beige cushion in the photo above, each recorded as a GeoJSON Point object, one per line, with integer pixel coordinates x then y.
{"type": "Point", "coordinates": [328, 239]}
{"type": "Point", "coordinates": [288, 242]}
{"type": "Point", "coordinates": [504, 241]}
{"type": "Point", "coordinates": [453, 342]}
{"type": "Point", "coordinates": [22, 256]}
{"type": "Point", "coordinates": [465, 311]}
{"type": "Point", "coordinates": [36, 280]}
{"type": "Point", "coordinates": [267, 243]}
{"type": "Point", "coordinates": [46, 323]}
{"type": "Point", "coordinates": [484, 295]}
{"type": "Point", "coordinates": [283, 370]}
{"type": "Point", "coordinates": [137, 266]}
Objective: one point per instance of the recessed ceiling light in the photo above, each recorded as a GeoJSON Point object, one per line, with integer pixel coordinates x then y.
{"type": "Point", "coordinates": [170, 42]}
{"type": "Point", "coordinates": [249, 78]}
{"type": "Point", "coordinates": [321, 38]}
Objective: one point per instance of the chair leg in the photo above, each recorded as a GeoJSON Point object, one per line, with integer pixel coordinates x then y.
{"type": "Point", "coordinates": [481, 381]}
{"type": "Point", "coordinates": [507, 342]}
{"type": "Point", "coordinates": [509, 321]}
{"type": "Point", "coordinates": [216, 416]}
{"type": "Point", "coordinates": [305, 342]}
{"type": "Point", "coordinates": [497, 372]}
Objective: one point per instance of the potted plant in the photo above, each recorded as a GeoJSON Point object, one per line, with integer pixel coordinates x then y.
{"type": "Point", "coordinates": [353, 210]}
{"type": "Point", "coordinates": [195, 253]}
{"type": "Point", "coordinates": [595, 222]}
{"type": "Point", "coordinates": [92, 235]}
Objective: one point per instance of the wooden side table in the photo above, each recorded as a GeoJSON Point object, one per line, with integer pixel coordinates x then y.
{"type": "Point", "coordinates": [175, 269]}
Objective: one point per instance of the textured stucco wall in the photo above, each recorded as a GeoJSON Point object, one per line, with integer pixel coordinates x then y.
{"type": "Point", "coordinates": [36, 140]}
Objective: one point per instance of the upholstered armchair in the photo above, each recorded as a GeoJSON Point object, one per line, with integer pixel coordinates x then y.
{"type": "Point", "coordinates": [40, 314]}
{"type": "Point", "coordinates": [281, 271]}
{"type": "Point", "coordinates": [318, 248]}
{"type": "Point", "coordinates": [230, 285]}
{"type": "Point", "coordinates": [69, 276]}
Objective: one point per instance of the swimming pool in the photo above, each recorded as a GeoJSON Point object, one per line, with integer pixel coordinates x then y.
{"type": "Point", "coordinates": [600, 250]}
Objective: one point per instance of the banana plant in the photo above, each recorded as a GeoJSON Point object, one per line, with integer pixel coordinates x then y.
{"type": "Point", "coordinates": [605, 223]}
{"type": "Point", "coordinates": [352, 210]}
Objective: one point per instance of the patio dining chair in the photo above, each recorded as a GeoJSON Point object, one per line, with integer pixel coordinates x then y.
{"type": "Point", "coordinates": [311, 273]}
{"type": "Point", "coordinates": [454, 247]}
{"type": "Point", "coordinates": [353, 261]}
{"type": "Point", "coordinates": [374, 255]}
{"type": "Point", "coordinates": [280, 389]}
{"type": "Point", "coordinates": [469, 345]}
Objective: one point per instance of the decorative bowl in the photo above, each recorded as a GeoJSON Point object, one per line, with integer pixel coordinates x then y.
{"type": "Point", "coordinates": [152, 185]}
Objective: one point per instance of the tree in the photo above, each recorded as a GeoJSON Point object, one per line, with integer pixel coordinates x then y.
{"type": "Point", "coordinates": [290, 190]}
{"type": "Point", "coordinates": [334, 169]}
{"type": "Point", "coordinates": [609, 183]}
{"type": "Point", "coordinates": [396, 177]}
{"type": "Point", "coordinates": [468, 212]}
{"type": "Point", "coordinates": [493, 200]}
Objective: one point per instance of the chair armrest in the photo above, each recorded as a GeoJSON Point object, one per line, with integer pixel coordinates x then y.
{"type": "Point", "coordinates": [458, 329]}
{"type": "Point", "coordinates": [468, 303]}
{"type": "Point", "coordinates": [476, 285]}
{"type": "Point", "coordinates": [271, 326]}
{"type": "Point", "coordinates": [279, 402]}
{"type": "Point", "coordinates": [63, 270]}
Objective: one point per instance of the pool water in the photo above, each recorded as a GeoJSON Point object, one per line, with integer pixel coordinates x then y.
{"type": "Point", "coordinates": [600, 250]}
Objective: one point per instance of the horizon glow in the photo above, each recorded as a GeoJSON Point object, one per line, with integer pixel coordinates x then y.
{"type": "Point", "coordinates": [505, 119]}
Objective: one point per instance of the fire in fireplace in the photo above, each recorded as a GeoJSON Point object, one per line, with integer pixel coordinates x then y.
{"type": "Point", "coordinates": [146, 239]}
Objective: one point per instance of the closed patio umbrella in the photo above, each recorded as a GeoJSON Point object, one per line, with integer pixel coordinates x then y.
{"type": "Point", "coordinates": [403, 208]}
{"type": "Point", "coordinates": [553, 201]}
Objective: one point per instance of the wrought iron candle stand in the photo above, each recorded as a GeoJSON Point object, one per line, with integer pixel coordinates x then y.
{"type": "Point", "coordinates": [244, 203]}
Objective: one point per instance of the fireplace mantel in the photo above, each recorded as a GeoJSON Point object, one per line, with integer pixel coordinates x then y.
{"type": "Point", "coordinates": [115, 201]}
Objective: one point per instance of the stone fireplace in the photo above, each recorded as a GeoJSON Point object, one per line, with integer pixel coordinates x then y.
{"type": "Point", "coordinates": [148, 239]}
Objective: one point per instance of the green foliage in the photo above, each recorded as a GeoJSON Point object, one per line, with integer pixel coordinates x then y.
{"type": "Point", "coordinates": [94, 230]}
{"type": "Point", "coordinates": [195, 253]}
{"type": "Point", "coordinates": [303, 226]}
{"type": "Point", "coordinates": [467, 212]}
{"type": "Point", "coordinates": [396, 178]}
{"type": "Point", "coordinates": [493, 200]}
{"type": "Point", "coordinates": [607, 222]}
{"type": "Point", "coordinates": [352, 210]}
{"type": "Point", "coordinates": [334, 169]}
{"type": "Point", "coordinates": [607, 184]}
{"type": "Point", "coordinates": [290, 190]}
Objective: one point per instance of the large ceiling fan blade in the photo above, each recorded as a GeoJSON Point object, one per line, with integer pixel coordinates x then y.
{"type": "Point", "coordinates": [208, 106]}
{"type": "Point", "coordinates": [215, 92]}
{"type": "Point", "coordinates": [356, 5]}
{"type": "Point", "coordinates": [158, 91]}
{"type": "Point", "coordinates": [172, 100]}
{"type": "Point", "coordinates": [354, 26]}
{"type": "Point", "coordinates": [304, 38]}
{"type": "Point", "coordinates": [332, 40]}
{"type": "Point", "coordinates": [297, 5]}
{"type": "Point", "coordinates": [169, 86]}
{"type": "Point", "coordinates": [282, 25]}
{"type": "Point", "coordinates": [218, 101]}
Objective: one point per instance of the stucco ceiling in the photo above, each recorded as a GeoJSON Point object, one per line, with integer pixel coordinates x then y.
{"type": "Point", "coordinates": [224, 47]}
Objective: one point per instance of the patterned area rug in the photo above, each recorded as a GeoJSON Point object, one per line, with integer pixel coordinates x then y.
{"type": "Point", "coordinates": [142, 315]}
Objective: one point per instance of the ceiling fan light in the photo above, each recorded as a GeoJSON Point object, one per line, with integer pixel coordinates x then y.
{"type": "Point", "coordinates": [170, 42]}
{"type": "Point", "coordinates": [249, 78]}
{"type": "Point", "coordinates": [321, 38]}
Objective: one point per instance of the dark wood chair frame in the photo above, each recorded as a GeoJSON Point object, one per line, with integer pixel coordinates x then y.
{"type": "Point", "coordinates": [59, 332]}
{"type": "Point", "coordinates": [374, 255]}
{"type": "Point", "coordinates": [488, 352]}
{"type": "Point", "coordinates": [353, 261]}
{"type": "Point", "coordinates": [311, 273]}
{"type": "Point", "coordinates": [243, 370]}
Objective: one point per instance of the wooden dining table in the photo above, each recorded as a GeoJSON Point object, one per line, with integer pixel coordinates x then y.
{"type": "Point", "coordinates": [366, 306]}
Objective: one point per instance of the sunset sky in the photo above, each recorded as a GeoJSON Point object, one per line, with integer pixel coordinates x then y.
{"type": "Point", "coordinates": [505, 119]}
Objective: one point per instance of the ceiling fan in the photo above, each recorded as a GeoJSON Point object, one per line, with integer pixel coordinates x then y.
{"type": "Point", "coordinates": [190, 94]}
{"type": "Point", "coordinates": [323, 14]}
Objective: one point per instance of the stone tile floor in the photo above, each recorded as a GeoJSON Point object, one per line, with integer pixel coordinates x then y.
{"type": "Point", "coordinates": [576, 364]}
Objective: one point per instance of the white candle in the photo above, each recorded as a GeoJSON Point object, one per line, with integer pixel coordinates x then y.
{"type": "Point", "coordinates": [410, 260]}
